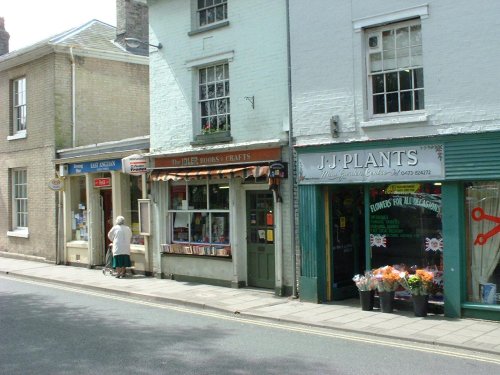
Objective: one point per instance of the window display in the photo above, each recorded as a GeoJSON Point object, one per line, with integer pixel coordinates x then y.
{"type": "Point", "coordinates": [405, 225]}
{"type": "Point", "coordinates": [482, 202]}
{"type": "Point", "coordinates": [200, 219]}
{"type": "Point", "coordinates": [406, 228]}
{"type": "Point", "coordinates": [135, 195]}
{"type": "Point", "coordinates": [79, 222]}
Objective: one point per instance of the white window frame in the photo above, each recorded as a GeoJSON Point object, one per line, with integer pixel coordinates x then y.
{"type": "Point", "coordinates": [375, 47]}
{"type": "Point", "coordinates": [206, 8]}
{"type": "Point", "coordinates": [19, 198]}
{"type": "Point", "coordinates": [204, 109]}
{"type": "Point", "coordinates": [19, 105]}
{"type": "Point", "coordinates": [188, 210]}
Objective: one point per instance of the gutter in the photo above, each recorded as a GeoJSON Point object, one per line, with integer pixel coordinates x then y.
{"type": "Point", "coordinates": [73, 99]}
{"type": "Point", "coordinates": [291, 164]}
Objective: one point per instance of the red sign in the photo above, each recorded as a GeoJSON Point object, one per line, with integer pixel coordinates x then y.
{"type": "Point", "coordinates": [219, 158]}
{"type": "Point", "coordinates": [102, 182]}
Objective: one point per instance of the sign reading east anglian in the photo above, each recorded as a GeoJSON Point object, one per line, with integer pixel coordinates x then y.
{"type": "Point", "coordinates": [95, 166]}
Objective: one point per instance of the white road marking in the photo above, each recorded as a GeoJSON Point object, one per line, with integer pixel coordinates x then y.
{"type": "Point", "coordinates": [285, 327]}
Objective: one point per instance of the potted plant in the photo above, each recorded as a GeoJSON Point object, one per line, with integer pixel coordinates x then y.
{"type": "Point", "coordinates": [366, 289]}
{"type": "Point", "coordinates": [387, 281]}
{"type": "Point", "coordinates": [418, 284]}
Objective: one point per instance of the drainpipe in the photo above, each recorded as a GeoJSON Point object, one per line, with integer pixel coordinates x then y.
{"type": "Point", "coordinates": [291, 166]}
{"type": "Point", "coordinates": [73, 98]}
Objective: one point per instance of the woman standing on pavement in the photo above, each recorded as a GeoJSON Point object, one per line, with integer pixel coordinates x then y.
{"type": "Point", "coordinates": [121, 235]}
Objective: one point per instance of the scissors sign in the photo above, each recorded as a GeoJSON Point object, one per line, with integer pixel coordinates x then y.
{"type": "Point", "coordinates": [478, 214]}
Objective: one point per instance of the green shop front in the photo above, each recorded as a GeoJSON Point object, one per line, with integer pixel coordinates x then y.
{"type": "Point", "coordinates": [430, 203]}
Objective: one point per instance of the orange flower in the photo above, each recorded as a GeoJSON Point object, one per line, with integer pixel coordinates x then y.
{"type": "Point", "coordinates": [387, 278]}
{"type": "Point", "coordinates": [424, 275]}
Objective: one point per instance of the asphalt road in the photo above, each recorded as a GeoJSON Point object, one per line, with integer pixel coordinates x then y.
{"type": "Point", "coordinates": [48, 329]}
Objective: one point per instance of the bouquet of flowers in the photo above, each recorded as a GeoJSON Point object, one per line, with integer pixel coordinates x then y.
{"type": "Point", "coordinates": [418, 284]}
{"type": "Point", "coordinates": [387, 278]}
{"type": "Point", "coordinates": [364, 282]}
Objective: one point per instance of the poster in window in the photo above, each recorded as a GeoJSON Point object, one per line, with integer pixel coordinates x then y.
{"type": "Point", "coordinates": [144, 217]}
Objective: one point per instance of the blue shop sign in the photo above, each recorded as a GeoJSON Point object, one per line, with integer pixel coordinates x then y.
{"type": "Point", "coordinates": [95, 166]}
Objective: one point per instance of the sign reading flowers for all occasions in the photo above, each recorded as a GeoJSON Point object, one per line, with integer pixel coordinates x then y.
{"type": "Point", "coordinates": [372, 165]}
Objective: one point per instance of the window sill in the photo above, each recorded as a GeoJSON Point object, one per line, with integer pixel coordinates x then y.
{"type": "Point", "coordinates": [137, 249]}
{"type": "Point", "coordinates": [208, 28]}
{"type": "Point", "coordinates": [78, 244]}
{"type": "Point", "coordinates": [395, 120]}
{"type": "Point", "coordinates": [18, 135]}
{"type": "Point", "coordinates": [480, 306]}
{"type": "Point", "coordinates": [205, 139]}
{"type": "Point", "coordinates": [22, 233]}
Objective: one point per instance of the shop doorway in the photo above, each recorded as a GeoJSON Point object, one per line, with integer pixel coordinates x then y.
{"type": "Point", "coordinates": [107, 216]}
{"type": "Point", "coordinates": [260, 239]}
{"type": "Point", "coordinates": [346, 239]}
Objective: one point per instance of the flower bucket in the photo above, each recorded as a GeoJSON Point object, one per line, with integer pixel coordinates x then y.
{"type": "Point", "coordinates": [386, 300]}
{"type": "Point", "coordinates": [420, 306]}
{"type": "Point", "coordinates": [367, 298]}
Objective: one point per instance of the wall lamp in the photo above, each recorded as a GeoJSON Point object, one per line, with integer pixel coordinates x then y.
{"type": "Point", "coordinates": [134, 43]}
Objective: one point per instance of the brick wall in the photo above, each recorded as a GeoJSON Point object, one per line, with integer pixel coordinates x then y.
{"type": "Point", "coordinates": [328, 71]}
{"type": "Point", "coordinates": [112, 101]}
{"type": "Point", "coordinates": [256, 38]}
{"type": "Point", "coordinates": [35, 153]}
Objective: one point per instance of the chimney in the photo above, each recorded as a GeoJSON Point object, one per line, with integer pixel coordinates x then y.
{"type": "Point", "coordinates": [4, 38]}
{"type": "Point", "coordinates": [132, 22]}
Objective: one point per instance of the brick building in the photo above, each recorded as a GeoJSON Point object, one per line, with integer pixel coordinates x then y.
{"type": "Point", "coordinates": [397, 129]}
{"type": "Point", "coordinates": [219, 133]}
{"type": "Point", "coordinates": [66, 100]}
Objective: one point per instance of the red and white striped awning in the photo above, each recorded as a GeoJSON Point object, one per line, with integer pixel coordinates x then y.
{"type": "Point", "coordinates": [198, 174]}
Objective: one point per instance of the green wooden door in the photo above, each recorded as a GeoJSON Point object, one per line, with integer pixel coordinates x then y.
{"type": "Point", "coordinates": [260, 239]}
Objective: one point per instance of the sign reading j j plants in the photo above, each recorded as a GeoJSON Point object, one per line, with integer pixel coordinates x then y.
{"type": "Point", "coordinates": [373, 165]}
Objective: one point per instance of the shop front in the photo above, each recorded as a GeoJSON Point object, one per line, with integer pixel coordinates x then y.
{"type": "Point", "coordinates": [422, 203]}
{"type": "Point", "coordinates": [95, 193]}
{"type": "Point", "coordinates": [220, 217]}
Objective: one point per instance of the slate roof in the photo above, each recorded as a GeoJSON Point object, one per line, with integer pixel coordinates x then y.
{"type": "Point", "coordinates": [93, 36]}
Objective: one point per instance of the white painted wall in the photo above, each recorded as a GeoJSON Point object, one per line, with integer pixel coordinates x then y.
{"type": "Point", "coordinates": [256, 40]}
{"type": "Point", "coordinates": [460, 55]}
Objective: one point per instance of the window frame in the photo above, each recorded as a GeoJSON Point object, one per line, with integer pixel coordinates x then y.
{"type": "Point", "coordinates": [204, 128]}
{"type": "Point", "coordinates": [209, 5]}
{"type": "Point", "coordinates": [19, 103]}
{"type": "Point", "coordinates": [186, 208]}
{"type": "Point", "coordinates": [413, 68]}
{"type": "Point", "coordinates": [19, 199]}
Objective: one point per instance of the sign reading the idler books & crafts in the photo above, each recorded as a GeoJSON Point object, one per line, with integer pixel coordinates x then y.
{"type": "Point", "coordinates": [373, 165]}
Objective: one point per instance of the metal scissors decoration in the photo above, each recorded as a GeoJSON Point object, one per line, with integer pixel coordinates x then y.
{"type": "Point", "coordinates": [478, 214]}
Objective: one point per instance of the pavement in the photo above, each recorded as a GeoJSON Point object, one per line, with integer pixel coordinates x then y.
{"type": "Point", "coordinates": [344, 316]}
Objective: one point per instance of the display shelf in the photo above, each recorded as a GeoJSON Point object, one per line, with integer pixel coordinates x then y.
{"type": "Point", "coordinates": [212, 250]}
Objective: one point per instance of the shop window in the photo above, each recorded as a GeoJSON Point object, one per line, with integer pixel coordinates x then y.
{"type": "Point", "coordinates": [200, 219]}
{"type": "Point", "coordinates": [135, 195]}
{"type": "Point", "coordinates": [406, 230]}
{"type": "Point", "coordinates": [79, 222]}
{"type": "Point", "coordinates": [482, 201]}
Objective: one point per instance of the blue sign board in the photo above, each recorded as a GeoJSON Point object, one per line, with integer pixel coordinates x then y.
{"type": "Point", "coordinates": [95, 166]}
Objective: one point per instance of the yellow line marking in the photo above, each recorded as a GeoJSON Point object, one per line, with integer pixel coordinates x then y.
{"type": "Point", "coordinates": [281, 326]}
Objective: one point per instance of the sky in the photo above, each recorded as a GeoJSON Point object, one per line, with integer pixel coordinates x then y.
{"type": "Point", "coordinates": [30, 21]}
